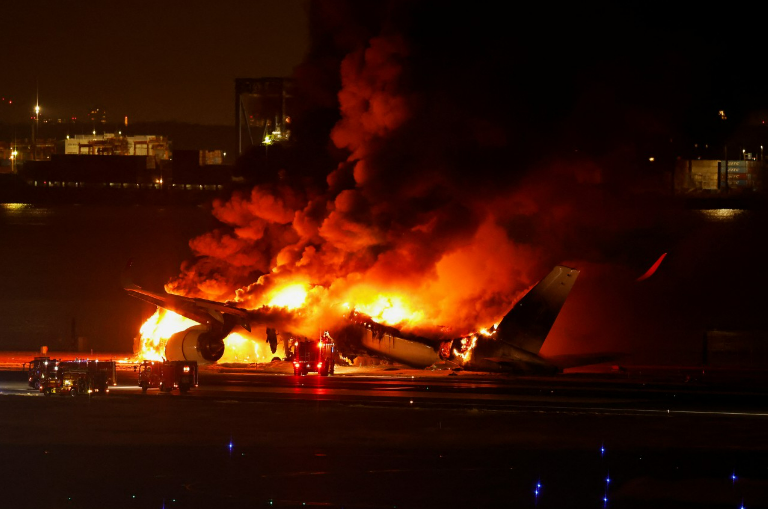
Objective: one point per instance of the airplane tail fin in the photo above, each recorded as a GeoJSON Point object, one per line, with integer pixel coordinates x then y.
{"type": "Point", "coordinates": [527, 324]}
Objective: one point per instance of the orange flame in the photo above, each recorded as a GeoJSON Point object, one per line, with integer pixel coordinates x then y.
{"type": "Point", "coordinates": [291, 296]}
{"type": "Point", "coordinates": [391, 311]}
{"type": "Point", "coordinates": [468, 343]}
{"type": "Point", "coordinates": [238, 348]}
{"type": "Point", "coordinates": [467, 346]}
{"type": "Point", "coordinates": [394, 310]}
{"type": "Point", "coordinates": [157, 330]}
{"type": "Point", "coordinates": [163, 324]}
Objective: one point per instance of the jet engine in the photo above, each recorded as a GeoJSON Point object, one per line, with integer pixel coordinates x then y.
{"type": "Point", "coordinates": [198, 343]}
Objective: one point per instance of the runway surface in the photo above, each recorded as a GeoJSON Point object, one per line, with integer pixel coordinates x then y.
{"type": "Point", "coordinates": [594, 392]}
{"type": "Point", "coordinates": [388, 438]}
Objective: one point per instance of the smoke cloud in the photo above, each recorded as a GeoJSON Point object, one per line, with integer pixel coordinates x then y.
{"type": "Point", "coordinates": [464, 171]}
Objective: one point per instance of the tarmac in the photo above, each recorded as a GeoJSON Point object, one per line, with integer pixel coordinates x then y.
{"type": "Point", "coordinates": [379, 438]}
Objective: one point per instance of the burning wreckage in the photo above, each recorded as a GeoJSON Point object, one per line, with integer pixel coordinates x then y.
{"type": "Point", "coordinates": [511, 346]}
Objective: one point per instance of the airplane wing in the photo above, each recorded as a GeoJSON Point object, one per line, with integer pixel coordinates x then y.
{"type": "Point", "coordinates": [199, 310]}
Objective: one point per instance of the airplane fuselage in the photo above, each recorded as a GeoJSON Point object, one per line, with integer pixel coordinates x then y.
{"type": "Point", "coordinates": [488, 355]}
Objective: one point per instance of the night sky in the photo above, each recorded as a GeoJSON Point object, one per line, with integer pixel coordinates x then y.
{"type": "Point", "coordinates": [169, 61]}
{"type": "Point", "coordinates": [555, 69]}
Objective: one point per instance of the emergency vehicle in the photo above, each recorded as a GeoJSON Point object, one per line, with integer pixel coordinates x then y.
{"type": "Point", "coordinates": [318, 356]}
{"type": "Point", "coordinates": [41, 368]}
{"type": "Point", "coordinates": [70, 382]}
{"type": "Point", "coordinates": [78, 376]}
{"type": "Point", "coordinates": [100, 374]}
{"type": "Point", "coordinates": [168, 375]}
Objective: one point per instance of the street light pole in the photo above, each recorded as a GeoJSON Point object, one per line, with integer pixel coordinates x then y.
{"type": "Point", "coordinates": [37, 130]}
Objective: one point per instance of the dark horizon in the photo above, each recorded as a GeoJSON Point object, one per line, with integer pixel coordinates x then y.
{"type": "Point", "coordinates": [168, 61]}
{"type": "Point", "coordinates": [578, 74]}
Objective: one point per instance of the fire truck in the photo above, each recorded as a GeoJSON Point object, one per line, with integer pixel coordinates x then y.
{"type": "Point", "coordinates": [168, 375]}
{"type": "Point", "coordinates": [318, 356]}
{"type": "Point", "coordinates": [78, 376]}
{"type": "Point", "coordinates": [40, 369]}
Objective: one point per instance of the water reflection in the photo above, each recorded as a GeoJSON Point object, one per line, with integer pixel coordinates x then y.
{"type": "Point", "coordinates": [15, 206]}
{"type": "Point", "coordinates": [721, 215]}
{"type": "Point", "coordinates": [25, 214]}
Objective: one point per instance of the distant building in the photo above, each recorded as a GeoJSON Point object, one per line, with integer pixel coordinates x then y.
{"type": "Point", "coordinates": [27, 150]}
{"type": "Point", "coordinates": [718, 176]}
{"type": "Point", "coordinates": [97, 116]}
{"type": "Point", "coordinates": [199, 168]}
{"type": "Point", "coordinates": [263, 108]}
{"type": "Point", "coordinates": [111, 144]}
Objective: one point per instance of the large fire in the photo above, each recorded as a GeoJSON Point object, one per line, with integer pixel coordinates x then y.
{"type": "Point", "coordinates": [290, 297]}
{"type": "Point", "coordinates": [393, 310]}
{"type": "Point", "coordinates": [163, 324]}
{"type": "Point", "coordinates": [413, 224]}
{"type": "Point", "coordinates": [157, 330]}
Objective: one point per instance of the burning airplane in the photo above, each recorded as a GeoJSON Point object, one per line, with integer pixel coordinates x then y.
{"type": "Point", "coordinates": [422, 231]}
{"type": "Point", "coordinates": [513, 345]}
